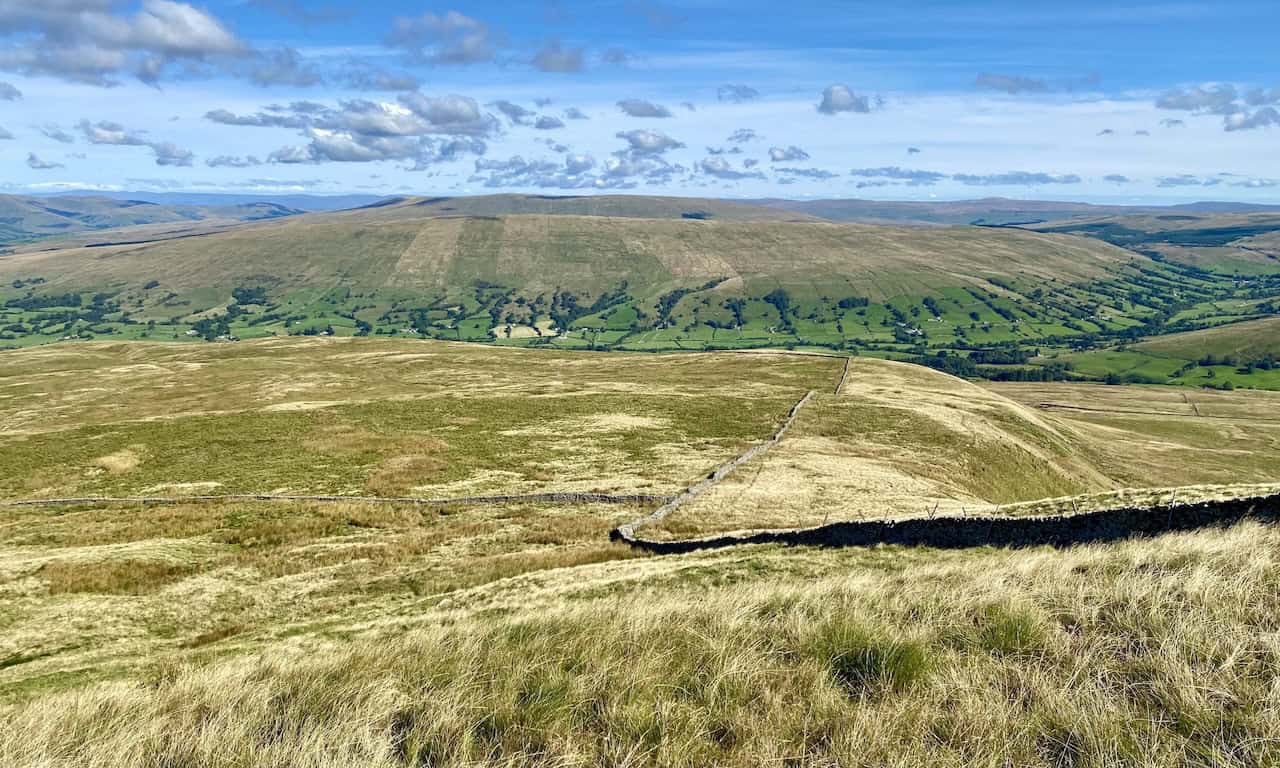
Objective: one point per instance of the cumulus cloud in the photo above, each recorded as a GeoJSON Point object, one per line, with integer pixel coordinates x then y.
{"type": "Point", "coordinates": [34, 162]}
{"type": "Point", "coordinates": [573, 113]}
{"type": "Point", "coordinates": [646, 142]}
{"type": "Point", "coordinates": [1014, 179]}
{"type": "Point", "coordinates": [792, 154]}
{"type": "Point", "coordinates": [579, 164]}
{"type": "Point", "coordinates": [721, 169]}
{"type": "Point", "coordinates": [1171, 122]}
{"type": "Point", "coordinates": [576, 171]}
{"type": "Point", "coordinates": [114, 134]}
{"type": "Point", "coordinates": [548, 123]}
{"type": "Point", "coordinates": [1116, 178]}
{"type": "Point", "coordinates": [1214, 98]}
{"type": "Point", "coordinates": [517, 114]}
{"type": "Point", "coordinates": [228, 161]}
{"type": "Point", "coordinates": [1106, 132]}
{"type": "Point", "coordinates": [911, 178]}
{"type": "Point", "coordinates": [105, 132]}
{"type": "Point", "coordinates": [94, 41]}
{"type": "Point", "coordinates": [5, 135]}
{"type": "Point", "coordinates": [1246, 121]}
{"type": "Point", "coordinates": [1239, 113]}
{"type": "Point", "coordinates": [280, 67]}
{"type": "Point", "coordinates": [449, 39]}
{"type": "Point", "coordinates": [1010, 84]}
{"type": "Point", "coordinates": [290, 156]}
{"type": "Point", "coordinates": [736, 93]}
{"type": "Point", "coordinates": [555, 58]}
{"type": "Point", "coordinates": [913, 150]}
{"type": "Point", "coordinates": [8, 92]}
{"type": "Point", "coordinates": [642, 108]}
{"type": "Point", "coordinates": [742, 136]}
{"type": "Point", "coordinates": [55, 132]}
{"type": "Point", "coordinates": [171, 155]}
{"type": "Point", "coordinates": [418, 129]}
{"type": "Point", "coordinates": [809, 173]}
{"type": "Point", "coordinates": [841, 98]}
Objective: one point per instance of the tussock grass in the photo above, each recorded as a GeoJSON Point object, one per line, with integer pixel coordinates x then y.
{"type": "Point", "coordinates": [124, 577]}
{"type": "Point", "coordinates": [1152, 653]}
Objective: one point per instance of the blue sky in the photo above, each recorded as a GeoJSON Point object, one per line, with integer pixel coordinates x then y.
{"type": "Point", "coordinates": [1133, 102]}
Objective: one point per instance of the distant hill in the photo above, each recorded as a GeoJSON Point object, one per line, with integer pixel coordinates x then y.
{"type": "Point", "coordinates": [23, 219]}
{"type": "Point", "coordinates": [988, 211]}
{"type": "Point", "coordinates": [1220, 240]}
{"type": "Point", "coordinates": [229, 199]}
{"type": "Point", "coordinates": [427, 246]}
{"type": "Point", "coordinates": [621, 206]}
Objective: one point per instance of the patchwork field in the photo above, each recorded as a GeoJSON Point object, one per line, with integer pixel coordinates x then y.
{"type": "Point", "coordinates": [325, 633]}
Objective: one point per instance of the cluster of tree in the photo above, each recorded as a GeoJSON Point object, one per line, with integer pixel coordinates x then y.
{"type": "Point", "coordinates": [249, 295]}
{"type": "Point", "coordinates": [31, 301]}
{"type": "Point", "coordinates": [1006, 354]}
{"type": "Point", "coordinates": [781, 301]}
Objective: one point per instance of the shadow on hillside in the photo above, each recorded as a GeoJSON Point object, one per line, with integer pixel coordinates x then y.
{"type": "Point", "coordinates": [958, 533]}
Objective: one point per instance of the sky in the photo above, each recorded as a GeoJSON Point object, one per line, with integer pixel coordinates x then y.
{"type": "Point", "coordinates": [1142, 102]}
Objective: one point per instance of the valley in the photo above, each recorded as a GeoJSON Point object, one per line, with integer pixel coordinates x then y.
{"type": "Point", "coordinates": [663, 274]}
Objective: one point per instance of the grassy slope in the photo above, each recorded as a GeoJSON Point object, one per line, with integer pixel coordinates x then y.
{"type": "Point", "coordinates": [374, 250]}
{"type": "Point", "coordinates": [1142, 654]}
{"type": "Point", "coordinates": [626, 206]}
{"type": "Point", "coordinates": [104, 593]}
{"type": "Point", "coordinates": [1173, 357]}
{"type": "Point", "coordinates": [1250, 339]}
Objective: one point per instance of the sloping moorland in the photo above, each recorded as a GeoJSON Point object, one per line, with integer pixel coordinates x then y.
{"type": "Point", "coordinates": [213, 632]}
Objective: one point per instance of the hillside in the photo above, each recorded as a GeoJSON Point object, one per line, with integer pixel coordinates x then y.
{"type": "Point", "coordinates": [364, 631]}
{"type": "Point", "coordinates": [623, 206]}
{"type": "Point", "coordinates": [994, 211]}
{"type": "Point", "coordinates": [24, 219]}
{"type": "Point", "coordinates": [616, 282]}
{"type": "Point", "coordinates": [1227, 242]}
{"type": "Point", "coordinates": [394, 249]}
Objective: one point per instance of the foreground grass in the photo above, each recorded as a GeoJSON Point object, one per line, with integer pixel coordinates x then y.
{"type": "Point", "coordinates": [1148, 653]}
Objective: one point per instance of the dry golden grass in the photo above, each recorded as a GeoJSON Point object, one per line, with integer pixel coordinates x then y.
{"type": "Point", "coordinates": [326, 635]}
{"type": "Point", "coordinates": [1156, 653]}
{"type": "Point", "coordinates": [123, 577]}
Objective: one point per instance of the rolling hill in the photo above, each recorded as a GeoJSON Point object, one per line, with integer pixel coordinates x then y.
{"type": "Point", "coordinates": [595, 273]}
{"type": "Point", "coordinates": [992, 211]}
{"type": "Point", "coordinates": [1227, 241]}
{"type": "Point", "coordinates": [24, 219]}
